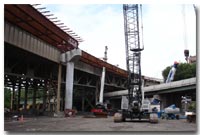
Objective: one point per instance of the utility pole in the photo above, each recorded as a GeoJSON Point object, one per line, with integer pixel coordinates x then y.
{"type": "Point", "coordinates": [105, 54]}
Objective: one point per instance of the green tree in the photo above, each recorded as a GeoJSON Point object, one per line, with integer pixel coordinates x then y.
{"type": "Point", "coordinates": [183, 71]}
{"type": "Point", "coordinates": [7, 98]}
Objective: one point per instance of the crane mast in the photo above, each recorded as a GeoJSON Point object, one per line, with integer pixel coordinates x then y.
{"type": "Point", "coordinates": [133, 52]}
{"type": "Point", "coordinates": [133, 106]}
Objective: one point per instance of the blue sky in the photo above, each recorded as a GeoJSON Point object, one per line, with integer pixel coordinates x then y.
{"type": "Point", "coordinates": [102, 25]}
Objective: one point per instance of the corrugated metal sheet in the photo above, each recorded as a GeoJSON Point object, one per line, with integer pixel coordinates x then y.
{"type": "Point", "coordinates": [24, 40]}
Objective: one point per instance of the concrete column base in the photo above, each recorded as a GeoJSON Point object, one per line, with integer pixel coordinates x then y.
{"type": "Point", "coordinates": [70, 112]}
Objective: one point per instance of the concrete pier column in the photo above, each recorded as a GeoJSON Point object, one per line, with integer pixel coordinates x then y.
{"type": "Point", "coordinates": [69, 58]}
{"type": "Point", "coordinates": [69, 85]}
{"type": "Point", "coordinates": [102, 85]}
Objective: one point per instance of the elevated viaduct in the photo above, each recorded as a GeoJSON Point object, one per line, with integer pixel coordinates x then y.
{"type": "Point", "coordinates": [34, 70]}
{"type": "Point", "coordinates": [44, 69]}
{"type": "Point", "coordinates": [169, 93]}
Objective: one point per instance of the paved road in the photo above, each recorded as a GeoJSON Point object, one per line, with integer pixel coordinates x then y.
{"type": "Point", "coordinates": [80, 123]}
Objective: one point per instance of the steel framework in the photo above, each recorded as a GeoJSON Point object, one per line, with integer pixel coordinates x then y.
{"type": "Point", "coordinates": [133, 51]}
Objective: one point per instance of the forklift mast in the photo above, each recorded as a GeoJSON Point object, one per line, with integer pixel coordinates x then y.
{"type": "Point", "coordinates": [133, 52]}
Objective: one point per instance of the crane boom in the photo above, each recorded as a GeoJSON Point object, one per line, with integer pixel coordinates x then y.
{"type": "Point", "coordinates": [133, 51]}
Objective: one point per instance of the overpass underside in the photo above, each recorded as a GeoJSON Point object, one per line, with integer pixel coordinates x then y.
{"type": "Point", "coordinates": [31, 83]}
{"type": "Point", "coordinates": [170, 98]}
{"type": "Point", "coordinates": [44, 71]}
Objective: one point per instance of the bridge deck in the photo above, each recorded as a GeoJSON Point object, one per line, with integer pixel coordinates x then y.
{"type": "Point", "coordinates": [177, 85]}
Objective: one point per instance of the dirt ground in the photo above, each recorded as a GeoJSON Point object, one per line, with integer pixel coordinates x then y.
{"type": "Point", "coordinates": [79, 123]}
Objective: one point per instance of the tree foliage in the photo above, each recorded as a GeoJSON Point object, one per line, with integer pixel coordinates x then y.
{"type": "Point", "coordinates": [7, 96]}
{"type": "Point", "coordinates": [183, 71]}
{"type": "Point", "coordinates": [7, 99]}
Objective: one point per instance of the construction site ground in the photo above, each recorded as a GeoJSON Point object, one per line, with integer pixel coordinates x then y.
{"type": "Point", "coordinates": [80, 123]}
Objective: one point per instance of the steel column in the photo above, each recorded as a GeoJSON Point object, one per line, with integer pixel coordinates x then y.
{"type": "Point", "coordinates": [45, 96]}
{"type": "Point", "coordinates": [96, 92]}
{"type": "Point", "coordinates": [26, 95]}
{"type": "Point", "coordinates": [34, 95]}
{"type": "Point", "coordinates": [83, 100]}
{"type": "Point", "coordinates": [19, 96]}
{"type": "Point", "coordinates": [59, 87]}
{"type": "Point", "coordinates": [13, 97]}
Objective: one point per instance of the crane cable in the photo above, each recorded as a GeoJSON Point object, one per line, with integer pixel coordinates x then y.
{"type": "Point", "coordinates": [186, 51]}
{"type": "Point", "coordinates": [142, 38]}
{"type": "Point", "coordinates": [184, 27]}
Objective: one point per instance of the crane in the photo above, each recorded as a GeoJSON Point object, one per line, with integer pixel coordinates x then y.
{"type": "Point", "coordinates": [133, 52]}
{"type": "Point", "coordinates": [186, 51]}
{"type": "Point", "coordinates": [133, 106]}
